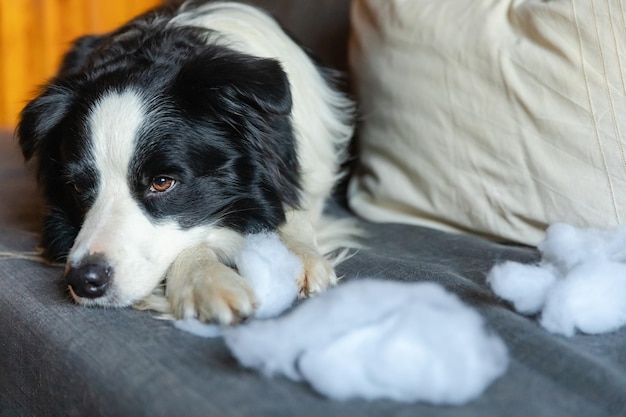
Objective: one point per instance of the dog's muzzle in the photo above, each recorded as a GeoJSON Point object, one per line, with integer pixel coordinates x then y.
{"type": "Point", "coordinates": [91, 277]}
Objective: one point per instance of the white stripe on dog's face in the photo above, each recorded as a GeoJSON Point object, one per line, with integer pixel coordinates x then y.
{"type": "Point", "coordinates": [137, 250]}
{"type": "Point", "coordinates": [113, 125]}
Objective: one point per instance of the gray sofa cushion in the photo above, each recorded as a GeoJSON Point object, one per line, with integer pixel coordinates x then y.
{"type": "Point", "coordinates": [59, 359]}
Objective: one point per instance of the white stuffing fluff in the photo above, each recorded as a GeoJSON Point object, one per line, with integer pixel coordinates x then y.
{"type": "Point", "coordinates": [271, 270]}
{"type": "Point", "coordinates": [368, 338]}
{"type": "Point", "coordinates": [376, 339]}
{"type": "Point", "coordinates": [579, 285]}
{"type": "Point", "coordinates": [198, 328]}
{"type": "Point", "coordinates": [566, 246]}
{"type": "Point", "coordinates": [591, 299]}
{"type": "Point", "coordinates": [535, 281]}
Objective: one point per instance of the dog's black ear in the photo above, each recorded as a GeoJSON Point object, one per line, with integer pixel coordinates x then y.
{"type": "Point", "coordinates": [219, 77]}
{"type": "Point", "coordinates": [40, 116]}
{"type": "Point", "coordinates": [45, 112]}
{"type": "Point", "coordinates": [77, 57]}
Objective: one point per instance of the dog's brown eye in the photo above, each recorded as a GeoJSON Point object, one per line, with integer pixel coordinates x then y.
{"type": "Point", "coordinates": [79, 189]}
{"type": "Point", "coordinates": [162, 184]}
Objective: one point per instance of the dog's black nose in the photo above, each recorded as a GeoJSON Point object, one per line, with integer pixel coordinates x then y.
{"type": "Point", "coordinates": [90, 278]}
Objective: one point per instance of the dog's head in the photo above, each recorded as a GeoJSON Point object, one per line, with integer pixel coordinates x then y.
{"type": "Point", "coordinates": [149, 142]}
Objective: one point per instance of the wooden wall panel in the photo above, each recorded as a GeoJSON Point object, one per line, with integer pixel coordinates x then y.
{"type": "Point", "coordinates": [35, 33]}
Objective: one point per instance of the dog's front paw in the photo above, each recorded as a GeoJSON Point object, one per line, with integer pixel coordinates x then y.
{"type": "Point", "coordinates": [318, 273]}
{"type": "Point", "coordinates": [209, 291]}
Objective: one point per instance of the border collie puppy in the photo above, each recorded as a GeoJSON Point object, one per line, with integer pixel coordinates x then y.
{"type": "Point", "coordinates": [161, 145]}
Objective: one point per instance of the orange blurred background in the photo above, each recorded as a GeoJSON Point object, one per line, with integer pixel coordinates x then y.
{"type": "Point", "coordinates": [35, 33]}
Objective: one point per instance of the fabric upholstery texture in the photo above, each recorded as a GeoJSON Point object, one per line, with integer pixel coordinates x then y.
{"type": "Point", "coordinates": [497, 118]}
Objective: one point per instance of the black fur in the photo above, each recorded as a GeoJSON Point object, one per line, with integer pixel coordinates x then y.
{"type": "Point", "coordinates": [219, 123]}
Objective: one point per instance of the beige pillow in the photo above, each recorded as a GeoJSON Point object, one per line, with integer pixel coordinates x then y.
{"type": "Point", "coordinates": [494, 117]}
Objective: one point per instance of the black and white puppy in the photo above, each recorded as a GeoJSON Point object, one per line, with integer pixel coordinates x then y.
{"type": "Point", "coordinates": [161, 145]}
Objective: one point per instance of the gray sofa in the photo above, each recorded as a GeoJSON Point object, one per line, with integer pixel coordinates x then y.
{"type": "Point", "coordinates": [58, 359]}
